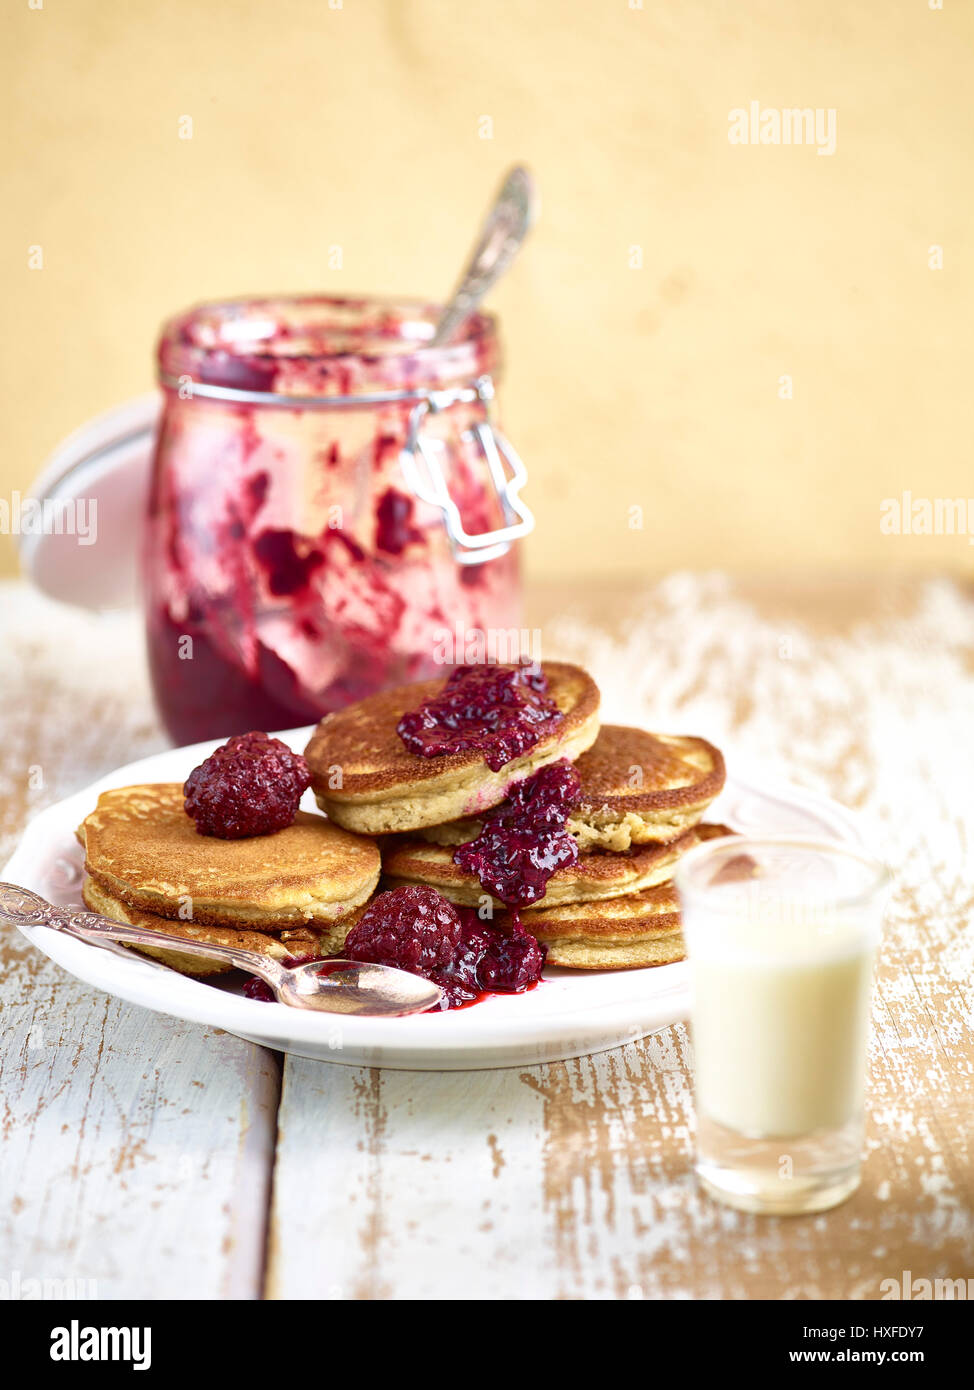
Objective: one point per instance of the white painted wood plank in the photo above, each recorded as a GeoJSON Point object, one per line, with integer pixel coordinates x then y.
{"type": "Point", "coordinates": [394, 1184]}
{"type": "Point", "coordinates": [540, 1183]}
{"type": "Point", "coordinates": [135, 1149]}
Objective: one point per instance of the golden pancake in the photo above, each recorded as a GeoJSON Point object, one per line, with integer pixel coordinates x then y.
{"type": "Point", "coordinates": [143, 849]}
{"type": "Point", "coordinates": [625, 933]}
{"type": "Point", "coordinates": [640, 788]}
{"type": "Point", "coordinates": [301, 941]}
{"type": "Point", "coordinates": [366, 779]}
{"type": "Point", "coordinates": [592, 878]}
{"type": "Point", "coordinates": [455, 832]}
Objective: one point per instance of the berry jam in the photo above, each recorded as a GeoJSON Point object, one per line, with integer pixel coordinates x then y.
{"type": "Point", "coordinates": [413, 929]}
{"type": "Point", "coordinates": [394, 528]}
{"type": "Point", "coordinates": [251, 785]}
{"type": "Point", "coordinates": [512, 961]}
{"type": "Point", "coordinates": [418, 930]}
{"type": "Point", "coordinates": [524, 840]}
{"type": "Point", "coordinates": [498, 711]}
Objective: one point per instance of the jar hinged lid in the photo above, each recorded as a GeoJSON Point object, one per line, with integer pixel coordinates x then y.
{"type": "Point", "coordinates": [431, 486]}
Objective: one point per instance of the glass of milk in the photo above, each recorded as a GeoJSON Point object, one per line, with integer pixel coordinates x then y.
{"type": "Point", "coordinates": [781, 935]}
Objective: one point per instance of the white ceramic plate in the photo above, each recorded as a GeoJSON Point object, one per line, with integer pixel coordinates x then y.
{"type": "Point", "coordinates": [569, 1014]}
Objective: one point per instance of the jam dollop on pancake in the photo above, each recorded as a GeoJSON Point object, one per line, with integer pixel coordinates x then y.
{"type": "Point", "coordinates": [524, 841]}
{"type": "Point", "coordinates": [367, 780]}
{"type": "Point", "coordinates": [500, 712]}
{"type": "Point", "coordinates": [590, 878]}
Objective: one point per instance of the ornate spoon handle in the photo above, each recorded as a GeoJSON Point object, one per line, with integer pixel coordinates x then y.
{"type": "Point", "coordinates": [23, 908]}
{"type": "Point", "coordinates": [506, 225]}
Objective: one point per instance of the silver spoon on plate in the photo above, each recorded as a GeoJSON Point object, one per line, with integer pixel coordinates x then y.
{"type": "Point", "coordinates": [330, 986]}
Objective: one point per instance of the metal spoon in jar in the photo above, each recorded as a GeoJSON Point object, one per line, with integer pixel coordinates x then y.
{"type": "Point", "coordinates": [504, 229]}
{"type": "Point", "coordinates": [330, 986]}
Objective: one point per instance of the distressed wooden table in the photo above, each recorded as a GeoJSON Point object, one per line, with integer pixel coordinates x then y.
{"type": "Point", "coordinates": [146, 1157]}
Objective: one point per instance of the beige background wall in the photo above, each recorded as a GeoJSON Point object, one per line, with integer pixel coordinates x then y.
{"type": "Point", "coordinates": [361, 126]}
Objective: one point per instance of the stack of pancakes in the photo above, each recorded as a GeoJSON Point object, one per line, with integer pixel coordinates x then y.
{"type": "Point", "coordinates": [294, 893]}
{"type": "Point", "coordinates": [642, 800]}
{"type": "Point", "coordinates": [299, 891]}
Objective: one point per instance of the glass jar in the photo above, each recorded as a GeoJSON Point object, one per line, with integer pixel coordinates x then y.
{"type": "Point", "coordinates": [330, 505]}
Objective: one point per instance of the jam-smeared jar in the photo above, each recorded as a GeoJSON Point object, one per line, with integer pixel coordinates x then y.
{"type": "Point", "coordinates": [329, 506]}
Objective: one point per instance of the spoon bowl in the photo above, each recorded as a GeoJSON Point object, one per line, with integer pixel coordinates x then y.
{"type": "Point", "coordinates": [355, 987]}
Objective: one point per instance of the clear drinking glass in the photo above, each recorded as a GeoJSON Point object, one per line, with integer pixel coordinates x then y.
{"type": "Point", "coordinates": [781, 936]}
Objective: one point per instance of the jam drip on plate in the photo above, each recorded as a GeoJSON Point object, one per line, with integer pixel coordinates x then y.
{"type": "Point", "coordinates": [524, 840]}
{"type": "Point", "coordinates": [500, 712]}
{"type": "Point", "coordinates": [418, 930]}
